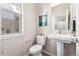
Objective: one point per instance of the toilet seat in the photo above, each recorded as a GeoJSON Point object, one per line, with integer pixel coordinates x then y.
{"type": "Point", "coordinates": [35, 49]}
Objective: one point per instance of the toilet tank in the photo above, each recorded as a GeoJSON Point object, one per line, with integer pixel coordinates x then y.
{"type": "Point", "coordinates": [41, 40]}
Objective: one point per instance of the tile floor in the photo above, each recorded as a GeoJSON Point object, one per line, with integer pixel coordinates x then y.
{"type": "Point", "coordinates": [42, 54]}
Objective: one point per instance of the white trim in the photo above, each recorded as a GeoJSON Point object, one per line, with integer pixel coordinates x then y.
{"type": "Point", "coordinates": [54, 4]}
{"type": "Point", "coordinates": [0, 20]}
{"type": "Point", "coordinates": [11, 36]}
{"type": "Point", "coordinates": [67, 12]}
{"type": "Point", "coordinates": [49, 53]}
{"type": "Point", "coordinates": [22, 20]}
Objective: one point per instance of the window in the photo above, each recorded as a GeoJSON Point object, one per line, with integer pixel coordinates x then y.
{"type": "Point", "coordinates": [11, 19]}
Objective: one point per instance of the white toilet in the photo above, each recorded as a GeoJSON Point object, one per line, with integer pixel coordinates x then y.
{"type": "Point", "coordinates": [36, 49]}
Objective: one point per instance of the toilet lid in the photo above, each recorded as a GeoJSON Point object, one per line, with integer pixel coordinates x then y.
{"type": "Point", "coordinates": [36, 48]}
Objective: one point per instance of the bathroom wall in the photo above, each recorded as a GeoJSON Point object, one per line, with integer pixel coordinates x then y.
{"type": "Point", "coordinates": [40, 8]}
{"type": "Point", "coordinates": [29, 14]}
{"type": "Point", "coordinates": [50, 46]}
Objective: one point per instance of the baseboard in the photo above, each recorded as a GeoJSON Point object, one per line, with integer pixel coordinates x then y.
{"type": "Point", "coordinates": [50, 54]}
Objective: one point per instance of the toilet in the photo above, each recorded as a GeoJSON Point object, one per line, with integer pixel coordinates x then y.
{"type": "Point", "coordinates": [36, 49]}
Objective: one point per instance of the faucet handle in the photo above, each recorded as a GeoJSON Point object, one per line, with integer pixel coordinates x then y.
{"type": "Point", "coordinates": [77, 40]}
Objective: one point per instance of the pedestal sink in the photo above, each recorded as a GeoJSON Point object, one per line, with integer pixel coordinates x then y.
{"type": "Point", "coordinates": [60, 48]}
{"type": "Point", "coordinates": [61, 39]}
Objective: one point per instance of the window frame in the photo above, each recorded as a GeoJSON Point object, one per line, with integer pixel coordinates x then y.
{"type": "Point", "coordinates": [20, 25]}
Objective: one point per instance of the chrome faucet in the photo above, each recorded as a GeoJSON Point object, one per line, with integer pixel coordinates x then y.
{"type": "Point", "coordinates": [60, 31]}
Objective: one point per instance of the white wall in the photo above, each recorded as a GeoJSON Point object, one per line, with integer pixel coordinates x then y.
{"type": "Point", "coordinates": [41, 7]}
{"type": "Point", "coordinates": [29, 12]}
{"type": "Point", "coordinates": [50, 44]}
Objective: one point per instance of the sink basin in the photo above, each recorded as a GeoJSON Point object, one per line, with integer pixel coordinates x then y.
{"type": "Point", "coordinates": [63, 38]}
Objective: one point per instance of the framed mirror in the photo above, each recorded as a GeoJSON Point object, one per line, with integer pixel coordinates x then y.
{"type": "Point", "coordinates": [43, 20]}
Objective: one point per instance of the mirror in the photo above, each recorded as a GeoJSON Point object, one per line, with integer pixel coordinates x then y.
{"type": "Point", "coordinates": [61, 17]}
{"type": "Point", "coordinates": [43, 20]}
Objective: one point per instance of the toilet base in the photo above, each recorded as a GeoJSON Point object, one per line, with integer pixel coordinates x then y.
{"type": "Point", "coordinates": [37, 54]}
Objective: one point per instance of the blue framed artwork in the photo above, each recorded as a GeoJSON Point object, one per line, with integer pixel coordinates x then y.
{"type": "Point", "coordinates": [43, 20]}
